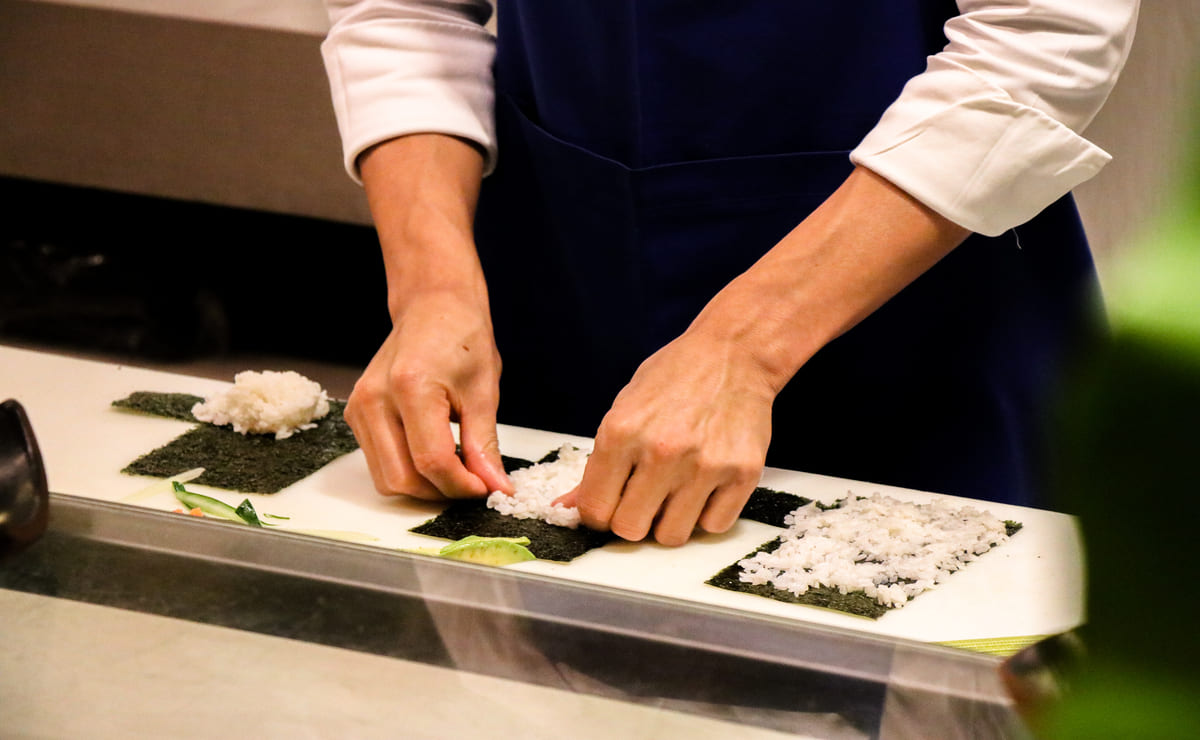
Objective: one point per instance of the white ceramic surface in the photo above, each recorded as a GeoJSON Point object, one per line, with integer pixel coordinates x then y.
{"type": "Point", "coordinates": [1031, 585]}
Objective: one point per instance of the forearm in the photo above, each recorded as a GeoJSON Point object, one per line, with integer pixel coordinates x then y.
{"type": "Point", "coordinates": [422, 190]}
{"type": "Point", "coordinates": [857, 250]}
{"type": "Point", "coordinates": [439, 362]}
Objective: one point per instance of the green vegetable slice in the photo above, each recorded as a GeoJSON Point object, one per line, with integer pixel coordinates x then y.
{"type": "Point", "coordinates": [214, 507]}
{"type": "Point", "coordinates": [484, 550]}
{"type": "Point", "coordinates": [246, 511]}
{"type": "Point", "coordinates": [474, 541]}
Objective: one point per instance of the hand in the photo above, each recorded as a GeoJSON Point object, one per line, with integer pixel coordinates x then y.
{"type": "Point", "coordinates": [439, 364]}
{"type": "Point", "coordinates": [685, 442]}
{"type": "Point", "coordinates": [683, 445]}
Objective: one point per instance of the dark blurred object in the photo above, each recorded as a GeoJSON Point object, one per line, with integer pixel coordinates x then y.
{"type": "Point", "coordinates": [1132, 452]}
{"type": "Point", "coordinates": [24, 496]}
{"type": "Point", "coordinates": [1037, 676]}
{"type": "Point", "coordinates": [170, 280]}
{"type": "Point", "coordinates": [1129, 470]}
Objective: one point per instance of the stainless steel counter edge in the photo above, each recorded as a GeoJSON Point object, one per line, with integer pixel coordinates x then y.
{"type": "Point", "coordinates": [504, 591]}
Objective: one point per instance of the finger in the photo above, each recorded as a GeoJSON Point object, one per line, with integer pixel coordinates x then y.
{"type": "Point", "coordinates": [365, 443]}
{"type": "Point", "coordinates": [397, 469]}
{"type": "Point", "coordinates": [640, 503]}
{"type": "Point", "coordinates": [390, 469]}
{"type": "Point", "coordinates": [599, 491]}
{"type": "Point", "coordinates": [481, 449]}
{"type": "Point", "coordinates": [568, 500]}
{"type": "Point", "coordinates": [724, 507]}
{"type": "Point", "coordinates": [680, 512]}
{"type": "Point", "coordinates": [430, 444]}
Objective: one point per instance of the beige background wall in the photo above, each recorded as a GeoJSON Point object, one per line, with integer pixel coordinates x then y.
{"type": "Point", "coordinates": [225, 101]}
{"type": "Point", "coordinates": [220, 101]}
{"type": "Point", "coordinates": [1144, 125]}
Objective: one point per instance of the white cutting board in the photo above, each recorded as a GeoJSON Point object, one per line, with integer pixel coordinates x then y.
{"type": "Point", "coordinates": [1031, 585]}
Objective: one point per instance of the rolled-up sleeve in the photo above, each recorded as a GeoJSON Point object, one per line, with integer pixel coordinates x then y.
{"type": "Point", "coordinates": [989, 134]}
{"type": "Point", "coordinates": [399, 68]}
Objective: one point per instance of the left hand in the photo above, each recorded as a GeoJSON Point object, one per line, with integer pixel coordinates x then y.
{"type": "Point", "coordinates": [683, 445]}
{"type": "Point", "coordinates": [685, 442]}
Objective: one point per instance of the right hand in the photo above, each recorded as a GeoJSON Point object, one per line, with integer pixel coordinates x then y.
{"type": "Point", "coordinates": [439, 364]}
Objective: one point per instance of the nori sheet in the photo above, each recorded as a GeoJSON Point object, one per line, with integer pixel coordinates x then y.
{"type": "Point", "coordinates": [546, 541]}
{"type": "Point", "coordinates": [511, 463]}
{"type": "Point", "coordinates": [247, 463]}
{"type": "Point", "coordinates": [856, 603]}
{"type": "Point", "coordinates": [770, 506]}
{"type": "Point", "coordinates": [514, 463]}
{"type": "Point", "coordinates": [171, 405]}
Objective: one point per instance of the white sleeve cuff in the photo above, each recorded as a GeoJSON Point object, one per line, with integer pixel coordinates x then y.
{"type": "Point", "coordinates": [437, 81]}
{"type": "Point", "coordinates": [969, 151]}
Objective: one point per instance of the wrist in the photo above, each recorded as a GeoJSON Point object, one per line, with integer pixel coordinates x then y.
{"type": "Point", "coordinates": [760, 330]}
{"type": "Point", "coordinates": [422, 191]}
{"type": "Point", "coordinates": [850, 256]}
{"type": "Point", "coordinates": [441, 270]}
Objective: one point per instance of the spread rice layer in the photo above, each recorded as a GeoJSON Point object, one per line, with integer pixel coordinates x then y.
{"type": "Point", "coordinates": [888, 549]}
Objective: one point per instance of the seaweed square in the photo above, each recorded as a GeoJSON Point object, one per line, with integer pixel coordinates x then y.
{"type": "Point", "coordinates": [248, 463]}
{"type": "Point", "coordinates": [514, 463]}
{"type": "Point", "coordinates": [855, 603]}
{"type": "Point", "coordinates": [546, 541]}
{"type": "Point", "coordinates": [169, 405]}
{"type": "Point", "coordinates": [769, 506]}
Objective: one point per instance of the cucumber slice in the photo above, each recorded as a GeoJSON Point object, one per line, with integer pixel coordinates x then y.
{"type": "Point", "coordinates": [247, 514]}
{"type": "Point", "coordinates": [214, 507]}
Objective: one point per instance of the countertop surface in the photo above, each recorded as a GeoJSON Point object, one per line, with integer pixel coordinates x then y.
{"type": "Point", "coordinates": [1030, 585]}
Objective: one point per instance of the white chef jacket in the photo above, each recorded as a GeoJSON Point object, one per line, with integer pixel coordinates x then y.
{"type": "Point", "coordinates": [987, 136]}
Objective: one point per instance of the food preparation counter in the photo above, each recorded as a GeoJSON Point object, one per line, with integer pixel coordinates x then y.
{"type": "Point", "coordinates": [296, 634]}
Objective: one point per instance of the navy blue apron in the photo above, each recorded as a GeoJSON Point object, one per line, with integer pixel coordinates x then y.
{"type": "Point", "coordinates": [651, 151]}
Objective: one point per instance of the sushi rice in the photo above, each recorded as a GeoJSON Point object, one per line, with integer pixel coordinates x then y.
{"type": "Point", "coordinates": [537, 486]}
{"type": "Point", "coordinates": [267, 402]}
{"type": "Point", "coordinates": [890, 550]}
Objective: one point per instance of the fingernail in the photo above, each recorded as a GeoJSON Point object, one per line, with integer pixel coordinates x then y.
{"type": "Point", "coordinates": [498, 469]}
{"type": "Point", "coordinates": [567, 499]}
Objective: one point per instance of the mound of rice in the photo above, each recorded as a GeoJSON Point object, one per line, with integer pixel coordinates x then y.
{"type": "Point", "coordinates": [267, 402]}
{"type": "Point", "coordinates": [538, 485]}
{"type": "Point", "coordinates": [888, 549]}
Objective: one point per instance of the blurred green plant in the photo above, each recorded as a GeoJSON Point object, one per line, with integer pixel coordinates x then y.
{"type": "Point", "coordinates": [1129, 468]}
